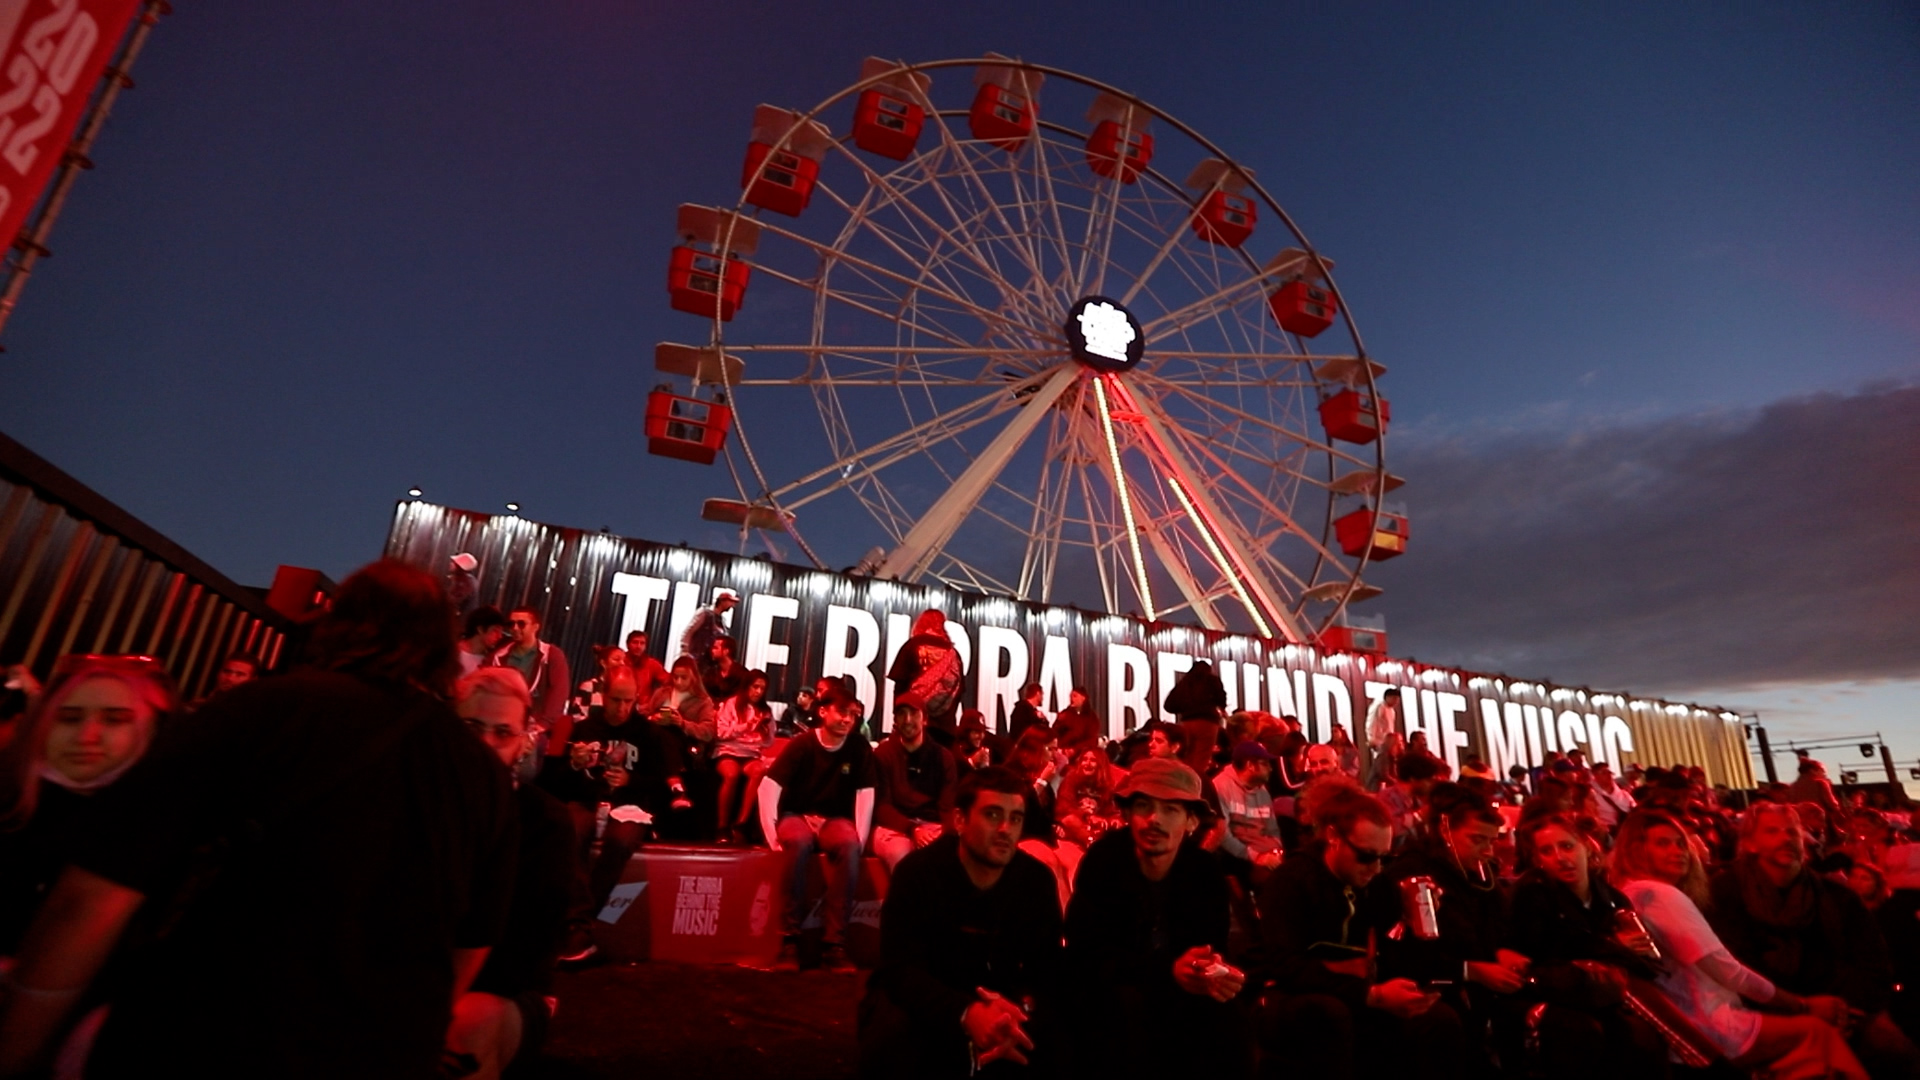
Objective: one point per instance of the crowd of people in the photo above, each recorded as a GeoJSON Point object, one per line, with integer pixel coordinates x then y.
{"type": "Point", "coordinates": [371, 864]}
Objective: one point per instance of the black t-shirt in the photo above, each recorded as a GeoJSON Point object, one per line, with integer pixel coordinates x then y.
{"type": "Point", "coordinates": [31, 858]}
{"type": "Point", "coordinates": [814, 780]}
{"type": "Point", "coordinates": [523, 959]}
{"type": "Point", "coordinates": [313, 847]}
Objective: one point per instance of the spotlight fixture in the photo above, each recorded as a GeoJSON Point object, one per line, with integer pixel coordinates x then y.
{"type": "Point", "coordinates": [513, 508]}
{"type": "Point", "coordinates": [1866, 749]}
{"type": "Point", "coordinates": [1849, 777]}
{"type": "Point", "coordinates": [413, 492]}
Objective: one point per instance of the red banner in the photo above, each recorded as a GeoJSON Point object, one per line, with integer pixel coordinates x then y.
{"type": "Point", "coordinates": [51, 55]}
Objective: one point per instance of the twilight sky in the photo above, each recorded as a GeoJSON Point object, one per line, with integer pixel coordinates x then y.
{"type": "Point", "coordinates": [1647, 279]}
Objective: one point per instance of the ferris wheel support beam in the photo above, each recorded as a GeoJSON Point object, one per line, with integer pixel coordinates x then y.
{"type": "Point", "coordinates": [1241, 561]}
{"type": "Point", "coordinates": [923, 542]}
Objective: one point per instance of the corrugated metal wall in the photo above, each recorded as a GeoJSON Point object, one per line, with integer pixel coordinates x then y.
{"type": "Point", "coordinates": [78, 574]}
{"type": "Point", "coordinates": [787, 620]}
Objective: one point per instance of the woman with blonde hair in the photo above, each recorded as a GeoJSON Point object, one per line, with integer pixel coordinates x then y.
{"type": "Point", "coordinates": [94, 721]}
{"type": "Point", "coordinates": [1657, 864]}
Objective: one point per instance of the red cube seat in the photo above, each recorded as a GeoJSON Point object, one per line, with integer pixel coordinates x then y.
{"type": "Point", "coordinates": [1350, 416]}
{"type": "Point", "coordinates": [1002, 117]}
{"type": "Point", "coordinates": [1225, 218]}
{"type": "Point", "coordinates": [1304, 307]}
{"type": "Point", "coordinates": [695, 283]}
{"type": "Point", "coordinates": [1354, 639]}
{"type": "Point", "coordinates": [1113, 150]}
{"type": "Point", "coordinates": [690, 429]}
{"type": "Point", "coordinates": [784, 184]}
{"type": "Point", "coordinates": [1386, 533]}
{"type": "Point", "coordinates": [887, 125]}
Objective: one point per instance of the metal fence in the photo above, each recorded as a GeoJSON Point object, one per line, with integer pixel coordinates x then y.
{"type": "Point", "coordinates": [79, 574]}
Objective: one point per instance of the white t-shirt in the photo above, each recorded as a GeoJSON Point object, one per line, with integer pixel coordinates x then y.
{"type": "Point", "coordinates": [1699, 975]}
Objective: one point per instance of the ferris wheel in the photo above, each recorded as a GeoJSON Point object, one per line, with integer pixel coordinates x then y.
{"type": "Point", "coordinates": [1001, 326]}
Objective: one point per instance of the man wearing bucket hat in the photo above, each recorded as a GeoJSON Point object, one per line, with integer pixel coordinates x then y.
{"type": "Point", "coordinates": [1145, 931]}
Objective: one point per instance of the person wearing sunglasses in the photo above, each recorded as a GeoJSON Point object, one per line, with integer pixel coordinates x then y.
{"type": "Point", "coordinates": [95, 719]}
{"type": "Point", "coordinates": [1323, 1009]}
{"type": "Point", "coordinates": [549, 679]}
{"type": "Point", "coordinates": [1469, 951]}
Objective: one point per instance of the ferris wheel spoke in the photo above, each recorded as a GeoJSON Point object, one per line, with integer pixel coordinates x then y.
{"type": "Point", "coordinates": [898, 200]}
{"type": "Point", "coordinates": [835, 257]}
{"type": "Point", "coordinates": [860, 217]}
{"type": "Point", "coordinates": [930, 534]}
{"type": "Point", "coordinates": [956, 151]}
{"type": "Point", "coordinates": [1210, 520]}
{"type": "Point", "coordinates": [1215, 404]}
{"type": "Point", "coordinates": [1180, 318]}
{"type": "Point", "coordinates": [866, 462]}
{"type": "Point", "coordinates": [1048, 206]}
{"type": "Point", "coordinates": [855, 301]}
{"type": "Point", "coordinates": [1261, 501]}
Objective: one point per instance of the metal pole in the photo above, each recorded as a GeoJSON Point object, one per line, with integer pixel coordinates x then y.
{"type": "Point", "coordinates": [1886, 759]}
{"type": "Point", "coordinates": [1766, 753]}
{"type": "Point", "coordinates": [31, 246]}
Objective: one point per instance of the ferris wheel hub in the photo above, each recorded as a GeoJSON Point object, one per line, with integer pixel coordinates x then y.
{"type": "Point", "coordinates": [1104, 335]}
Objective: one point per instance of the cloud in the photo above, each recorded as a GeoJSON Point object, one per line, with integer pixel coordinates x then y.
{"type": "Point", "coordinates": [1664, 555]}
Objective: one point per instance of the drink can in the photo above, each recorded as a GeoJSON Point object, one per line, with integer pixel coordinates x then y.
{"type": "Point", "coordinates": [600, 815]}
{"type": "Point", "coordinates": [1420, 906]}
{"type": "Point", "coordinates": [1626, 920]}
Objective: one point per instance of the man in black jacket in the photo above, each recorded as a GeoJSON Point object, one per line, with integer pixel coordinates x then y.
{"type": "Point", "coordinates": [1810, 936]}
{"type": "Point", "coordinates": [1145, 932]}
{"type": "Point", "coordinates": [1324, 1011]}
{"type": "Point", "coordinates": [969, 942]}
{"type": "Point", "coordinates": [1467, 956]}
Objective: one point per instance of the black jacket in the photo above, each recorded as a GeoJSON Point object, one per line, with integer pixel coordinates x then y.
{"type": "Point", "coordinates": [1473, 917]}
{"type": "Point", "coordinates": [1838, 951]}
{"type": "Point", "coordinates": [1307, 918]}
{"type": "Point", "coordinates": [941, 939]}
{"type": "Point", "coordinates": [1115, 937]}
{"type": "Point", "coordinates": [1548, 925]}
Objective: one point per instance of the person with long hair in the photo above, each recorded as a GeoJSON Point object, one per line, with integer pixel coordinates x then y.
{"type": "Point", "coordinates": [95, 719]}
{"type": "Point", "coordinates": [1084, 808]}
{"type": "Point", "coordinates": [1658, 866]}
{"type": "Point", "coordinates": [1565, 919]}
{"type": "Point", "coordinates": [683, 708]}
{"type": "Point", "coordinates": [743, 726]}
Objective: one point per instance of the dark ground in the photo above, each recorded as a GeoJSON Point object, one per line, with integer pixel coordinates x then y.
{"type": "Point", "coordinates": [688, 1022]}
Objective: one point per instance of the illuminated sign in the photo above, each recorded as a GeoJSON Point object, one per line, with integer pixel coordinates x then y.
{"type": "Point", "coordinates": [1103, 335]}
{"type": "Point", "coordinates": [798, 624]}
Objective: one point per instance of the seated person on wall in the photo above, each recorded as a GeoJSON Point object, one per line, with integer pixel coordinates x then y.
{"type": "Point", "coordinates": [974, 747]}
{"type": "Point", "coordinates": [1565, 917]}
{"type": "Point", "coordinates": [969, 941]}
{"type": "Point", "coordinates": [1077, 729]}
{"type": "Point", "coordinates": [1155, 739]}
{"type": "Point", "coordinates": [1809, 935]}
{"type": "Point", "coordinates": [503, 1018]}
{"type": "Point", "coordinates": [617, 757]}
{"type": "Point", "coordinates": [1457, 856]}
{"type": "Point", "coordinates": [819, 797]}
{"type": "Point", "coordinates": [1145, 932]}
{"type": "Point", "coordinates": [917, 777]}
{"type": "Point", "coordinates": [1404, 794]}
{"type": "Point", "coordinates": [684, 713]}
{"type": "Point", "coordinates": [1324, 1010]}
{"type": "Point", "coordinates": [1250, 844]}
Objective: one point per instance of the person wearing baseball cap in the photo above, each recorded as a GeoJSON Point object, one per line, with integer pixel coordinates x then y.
{"type": "Point", "coordinates": [1239, 794]}
{"type": "Point", "coordinates": [1145, 930]}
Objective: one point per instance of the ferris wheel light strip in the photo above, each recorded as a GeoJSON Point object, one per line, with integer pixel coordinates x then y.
{"type": "Point", "coordinates": [1120, 485]}
{"type": "Point", "coordinates": [1220, 558]}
